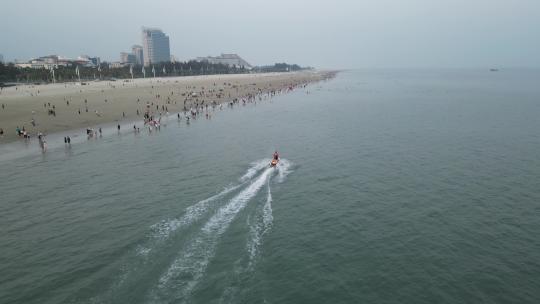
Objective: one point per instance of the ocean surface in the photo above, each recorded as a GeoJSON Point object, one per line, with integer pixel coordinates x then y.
{"type": "Point", "coordinates": [395, 186]}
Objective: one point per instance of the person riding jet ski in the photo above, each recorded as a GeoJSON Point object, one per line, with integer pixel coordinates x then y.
{"type": "Point", "coordinates": [275, 159]}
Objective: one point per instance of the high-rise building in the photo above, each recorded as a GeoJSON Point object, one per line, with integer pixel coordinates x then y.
{"type": "Point", "coordinates": [137, 50]}
{"type": "Point", "coordinates": [155, 46]}
{"type": "Point", "coordinates": [1, 58]}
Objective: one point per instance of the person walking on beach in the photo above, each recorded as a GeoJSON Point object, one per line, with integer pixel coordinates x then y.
{"type": "Point", "coordinates": [118, 128]}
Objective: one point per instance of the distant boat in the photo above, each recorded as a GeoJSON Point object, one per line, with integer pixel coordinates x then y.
{"type": "Point", "coordinates": [493, 70]}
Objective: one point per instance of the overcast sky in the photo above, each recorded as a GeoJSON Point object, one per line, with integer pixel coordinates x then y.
{"type": "Point", "coordinates": [324, 34]}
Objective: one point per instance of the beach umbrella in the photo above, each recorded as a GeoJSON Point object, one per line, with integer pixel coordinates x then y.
{"type": "Point", "coordinates": [164, 71]}
{"type": "Point", "coordinates": [131, 71]}
{"type": "Point", "coordinates": [154, 71]}
{"type": "Point", "coordinates": [144, 72]}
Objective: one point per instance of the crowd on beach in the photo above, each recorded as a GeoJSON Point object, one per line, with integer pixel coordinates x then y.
{"type": "Point", "coordinates": [190, 102]}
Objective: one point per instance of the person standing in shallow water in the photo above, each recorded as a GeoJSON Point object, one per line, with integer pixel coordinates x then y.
{"type": "Point", "coordinates": [118, 128]}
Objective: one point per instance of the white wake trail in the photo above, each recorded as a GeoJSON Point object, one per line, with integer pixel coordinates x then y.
{"type": "Point", "coordinates": [194, 213]}
{"type": "Point", "coordinates": [186, 271]}
{"type": "Point", "coordinates": [255, 168]}
{"type": "Point", "coordinates": [264, 221]}
{"type": "Point", "coordinates": [260, 228]}
{"type": "Point", "coordinates": [161, 231]}
{"type": "Point", "coordinates": [284, 168]}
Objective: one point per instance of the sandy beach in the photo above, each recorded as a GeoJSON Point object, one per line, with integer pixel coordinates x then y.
{"type": "Point", "coordinates": [65, 106]}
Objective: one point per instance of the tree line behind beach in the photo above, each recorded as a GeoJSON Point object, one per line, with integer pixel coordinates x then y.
{"type": "Point", "coordinates": [10, 73]}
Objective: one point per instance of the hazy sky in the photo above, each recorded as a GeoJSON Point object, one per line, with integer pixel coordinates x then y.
{"type": "Point", "coordinates": [324, 34]}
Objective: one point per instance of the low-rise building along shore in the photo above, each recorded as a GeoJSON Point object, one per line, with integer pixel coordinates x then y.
{"type": "Point", "coordinates": [226, 59]}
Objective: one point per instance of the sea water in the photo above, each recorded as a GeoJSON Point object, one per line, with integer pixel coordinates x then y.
{"type": "Point", "coordinates": [395, 186]}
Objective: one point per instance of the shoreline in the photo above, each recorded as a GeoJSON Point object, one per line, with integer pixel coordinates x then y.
{"type": "Point", "coordinates": [63, 107]}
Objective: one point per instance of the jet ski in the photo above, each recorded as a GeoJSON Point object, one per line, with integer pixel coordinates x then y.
{"type": "Point", "coordinates": [275, 159]}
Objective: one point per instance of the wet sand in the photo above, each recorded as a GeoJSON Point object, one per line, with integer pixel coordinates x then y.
{"type": "Point", "coordinates": [105, 102]}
